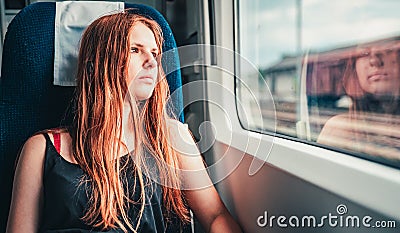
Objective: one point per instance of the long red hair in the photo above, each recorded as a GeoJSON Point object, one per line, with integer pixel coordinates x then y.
{"type": "Point", "coordinates": [97, 133]}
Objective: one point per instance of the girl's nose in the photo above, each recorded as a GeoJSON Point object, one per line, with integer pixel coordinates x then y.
{"type": "Point", "coordinates": [375, 59]}
{"type": "Point", "coordinates": [150, 61]}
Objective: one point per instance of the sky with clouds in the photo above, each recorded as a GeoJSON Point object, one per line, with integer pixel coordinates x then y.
{"type": "Point", "coordinates": [268, 29]}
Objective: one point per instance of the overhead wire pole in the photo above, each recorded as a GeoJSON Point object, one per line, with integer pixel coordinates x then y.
{"type": "Point", "coordinates": [299, 26]}
{"type": "Point", "coordinates": [300, 124]}
{"type": "Point", "coordinates": [299, 128]}
{"type": "Point", "coordinates": [303, 121]}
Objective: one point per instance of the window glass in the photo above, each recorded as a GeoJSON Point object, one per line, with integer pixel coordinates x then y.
{"type": "Point", "coordinates": [332, 69]}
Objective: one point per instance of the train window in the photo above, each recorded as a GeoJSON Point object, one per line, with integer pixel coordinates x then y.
{"type": "Point", "coordinates": [331, 68]}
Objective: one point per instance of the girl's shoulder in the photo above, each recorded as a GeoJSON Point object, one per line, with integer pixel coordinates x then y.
{"type": "Point", "coordinates": [176, 123]}
{"type": "Point", "coordinates": [58, 137]}
{"type": "Point", "coordinates": [182, 140]}
{"type": "Point", "coordinates": [335, 128]}
{"type": "Point", "coordinates": [34, 147]}
{"type": "Point", "coordinates": [32, 155]}
{"type": "Point", "coordinates": [36, 142]}
{"type": "Point", "coordinates": [179, 131]}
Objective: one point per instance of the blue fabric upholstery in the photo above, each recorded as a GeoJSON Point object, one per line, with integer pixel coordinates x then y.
{"type": "Point", "coordinates": [29, 101]}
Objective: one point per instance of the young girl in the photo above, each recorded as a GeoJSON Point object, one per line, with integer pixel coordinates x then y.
{"type": "Point", "coordinates": [124, 164]}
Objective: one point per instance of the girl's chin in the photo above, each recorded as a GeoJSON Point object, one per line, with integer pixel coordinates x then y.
{"type": "Point", "coordinates": [143, 96]}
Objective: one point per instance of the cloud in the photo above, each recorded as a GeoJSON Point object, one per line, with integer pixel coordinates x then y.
{"type": "Point", "coordinates": [325, 25]}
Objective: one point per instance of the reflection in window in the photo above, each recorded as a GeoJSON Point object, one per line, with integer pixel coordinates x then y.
{"type": "Point", "coordinates": [332, 69]}
{"type": "Point", "coordinates": [371, 79]}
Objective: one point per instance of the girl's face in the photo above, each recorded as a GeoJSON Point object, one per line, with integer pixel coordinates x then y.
{"type": "Point", "coordinates": [143, 66]}
{"type": "Point", "coordinates": [377, 69]}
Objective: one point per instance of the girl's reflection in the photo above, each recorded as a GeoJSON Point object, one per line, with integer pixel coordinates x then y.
{"type": "Point", "coordinates": [372, 80]}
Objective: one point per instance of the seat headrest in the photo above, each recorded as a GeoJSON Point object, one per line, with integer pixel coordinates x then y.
{"type": "Point", "coordinates": [70, 21]}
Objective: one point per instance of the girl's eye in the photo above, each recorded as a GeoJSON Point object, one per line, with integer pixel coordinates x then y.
{"type": "Point", "coordinates": [134, 50]}
{"type": "Point", "coordinates": [363, 53]}
{"type": "Point", "coordinates": [389, 50]}
{"type": "Point", "coordinates": [154, 54]}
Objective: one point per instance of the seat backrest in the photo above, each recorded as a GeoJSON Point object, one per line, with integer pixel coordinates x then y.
{"type": "Point", "coordinates": [29, 102]}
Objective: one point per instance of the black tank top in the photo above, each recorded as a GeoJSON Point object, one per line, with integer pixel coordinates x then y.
{"type": "Point", "coordinates": [66, 199]}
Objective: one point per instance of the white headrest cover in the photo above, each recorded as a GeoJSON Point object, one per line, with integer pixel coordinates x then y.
{"type": "Point", "coordinates": [72, 17]}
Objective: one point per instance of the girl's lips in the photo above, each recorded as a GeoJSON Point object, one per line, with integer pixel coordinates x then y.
{"type": "Point", "coordinates": [377, 76]}
{"type": "Point", "coordinates": [146, 79]}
